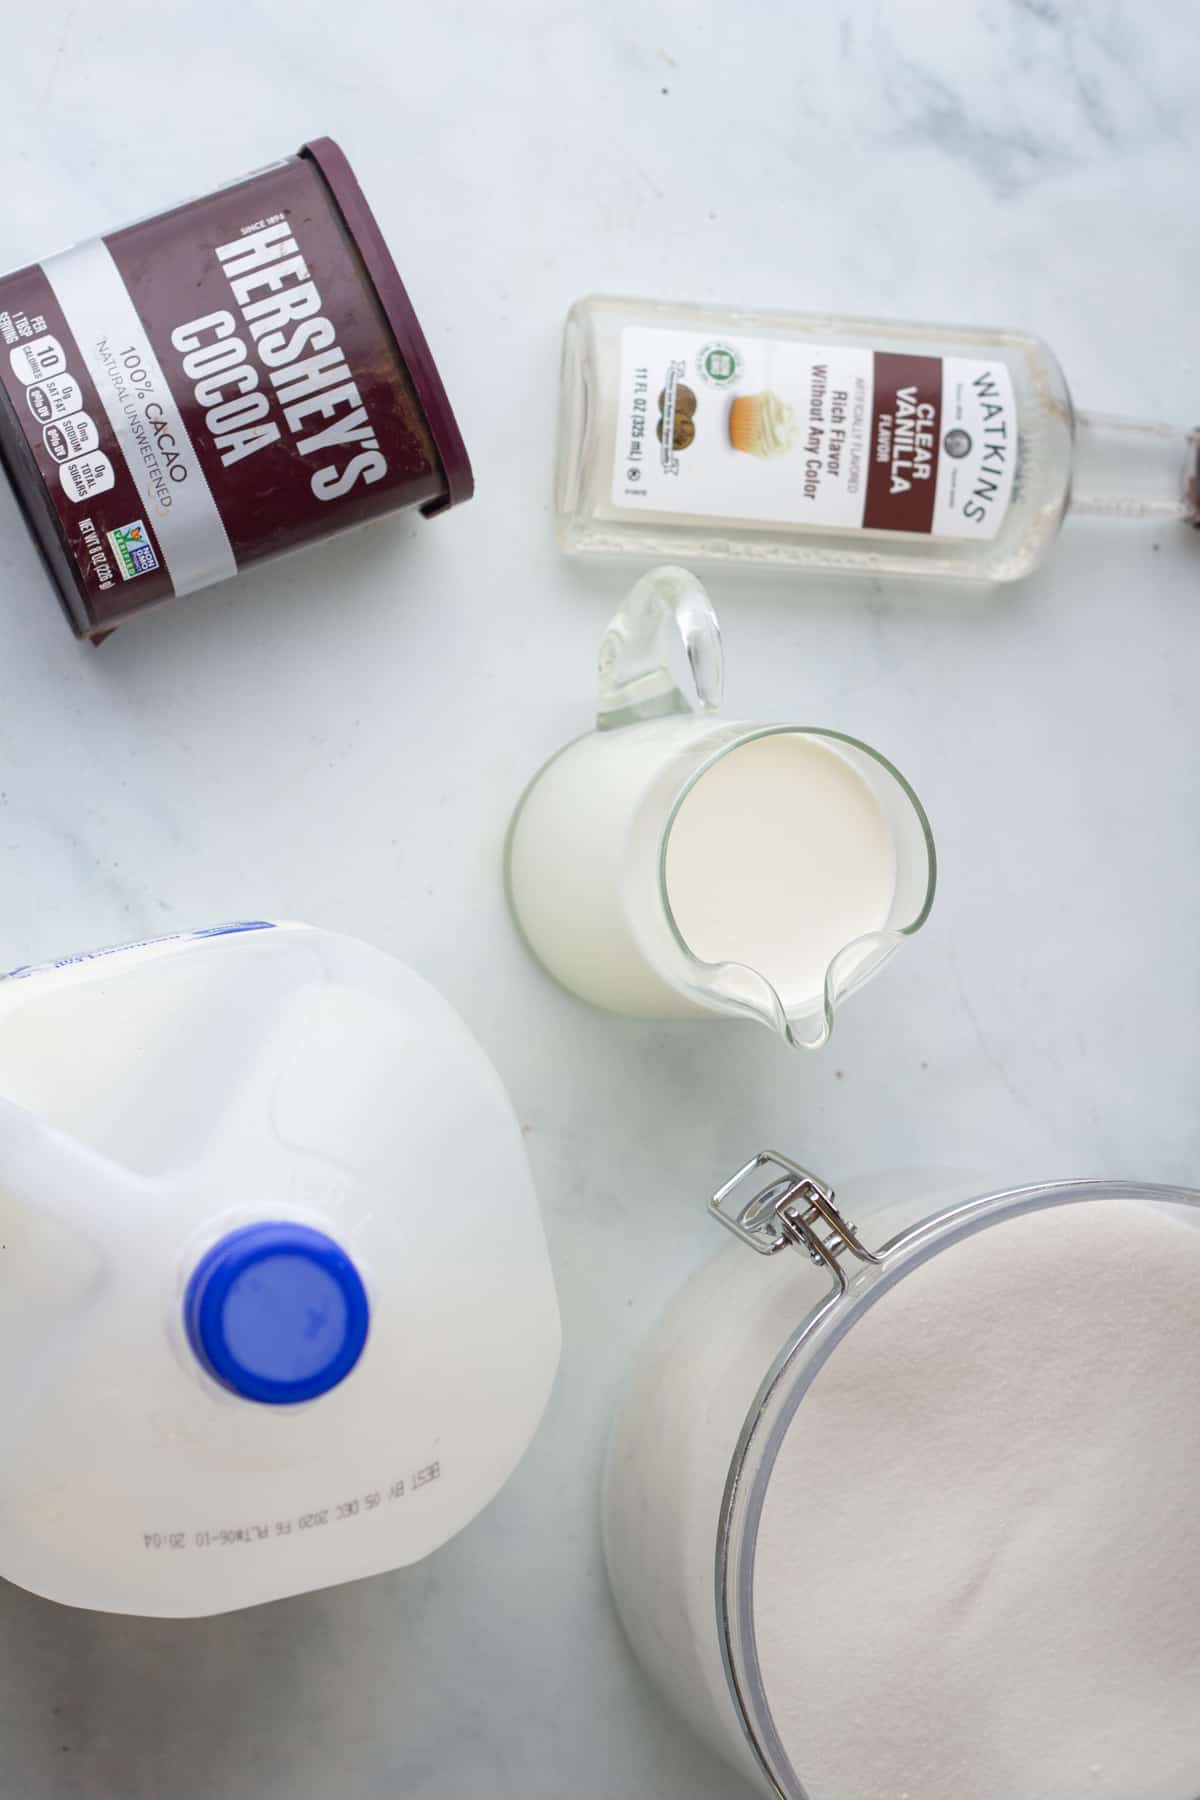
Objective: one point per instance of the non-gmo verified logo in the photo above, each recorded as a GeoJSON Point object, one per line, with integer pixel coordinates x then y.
{"type": "Point", "coordinates": [133, 550]}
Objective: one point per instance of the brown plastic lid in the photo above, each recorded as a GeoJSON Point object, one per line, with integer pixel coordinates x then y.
{"type": "Point", "coordinates": [398, 308]}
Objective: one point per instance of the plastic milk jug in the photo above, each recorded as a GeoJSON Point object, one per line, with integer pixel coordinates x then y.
{"type": "Point", "coordinates": [276, 1309]}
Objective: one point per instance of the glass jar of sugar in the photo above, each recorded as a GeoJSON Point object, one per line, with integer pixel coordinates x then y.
{"type": "Point", "coordinates": [919, 1519]}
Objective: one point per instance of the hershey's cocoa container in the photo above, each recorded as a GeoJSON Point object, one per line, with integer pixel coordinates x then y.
{"type": "Point", "coordinates": [219, 383]}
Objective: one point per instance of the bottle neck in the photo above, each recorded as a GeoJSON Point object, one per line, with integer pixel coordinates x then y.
{"type": "Point", "coordinates": [1124, 469]}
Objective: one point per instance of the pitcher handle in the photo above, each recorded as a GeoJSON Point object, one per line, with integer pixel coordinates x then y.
{"type": "Point", "coordinates": [635, 674]}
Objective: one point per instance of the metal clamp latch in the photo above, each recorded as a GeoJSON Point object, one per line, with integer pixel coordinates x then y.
{"type": "Point", "coordinates": [795, 1209]}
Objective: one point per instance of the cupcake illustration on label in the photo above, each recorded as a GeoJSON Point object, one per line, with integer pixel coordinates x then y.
{"type": "Point", "coordinates": [763, 425]}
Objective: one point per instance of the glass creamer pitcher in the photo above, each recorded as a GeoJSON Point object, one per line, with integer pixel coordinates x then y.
{"type": "Point", "coordinates": [672, 863]}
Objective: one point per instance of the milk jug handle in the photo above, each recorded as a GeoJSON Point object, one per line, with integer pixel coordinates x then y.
{"type": "Point", "coordinates": [636, 681]}
{"type": "Point", "coordinates": [46, 1171]}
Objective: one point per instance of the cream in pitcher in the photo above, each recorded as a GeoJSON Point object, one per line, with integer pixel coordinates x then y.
{"type": "Point", "coordinates": [672, 864]}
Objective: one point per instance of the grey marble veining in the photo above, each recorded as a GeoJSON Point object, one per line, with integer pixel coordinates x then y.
{"type": "Point", "coordinates": [341, 737]}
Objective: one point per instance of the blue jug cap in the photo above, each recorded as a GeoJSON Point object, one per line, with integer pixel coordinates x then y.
{"type": "Point", "coordinates": [276, 1312]}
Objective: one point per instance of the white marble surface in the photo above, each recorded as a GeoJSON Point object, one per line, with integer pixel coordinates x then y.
{"type": "Point", "coordinates": [341, 737]}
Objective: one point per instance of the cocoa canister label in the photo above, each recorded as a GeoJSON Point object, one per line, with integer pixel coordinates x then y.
{"type": "Point", "coordinates": [779, 431]}
{"type": "Point", "coordinates": [177, 511]}
{"type": "Point", "coordinates": [208, 387]}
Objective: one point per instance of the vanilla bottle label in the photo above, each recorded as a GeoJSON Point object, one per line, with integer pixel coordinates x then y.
{"type": "Point", "coordinates": [774, 430]}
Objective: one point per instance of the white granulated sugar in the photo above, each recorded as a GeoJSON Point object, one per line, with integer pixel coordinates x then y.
{"type": "Point", "coordinates": [978, 1573]}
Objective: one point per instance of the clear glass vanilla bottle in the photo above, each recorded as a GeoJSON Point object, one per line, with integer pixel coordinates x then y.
{"type": "Point", "coordinates": [808, 441]}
